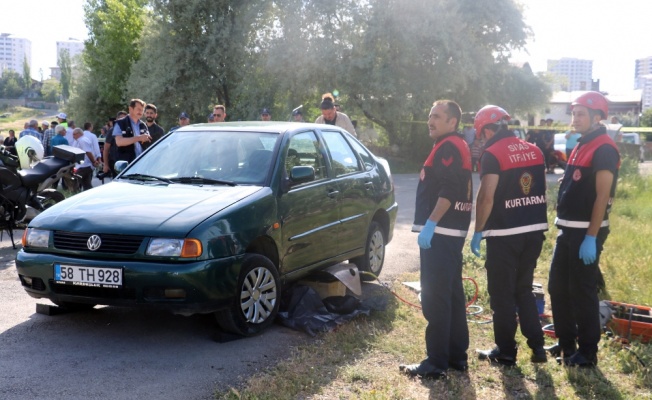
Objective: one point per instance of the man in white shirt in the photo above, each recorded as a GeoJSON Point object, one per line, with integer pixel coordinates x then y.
{"type": "Point", "coordinates": [88, 128]}
{"type": "Point", "coordinates": [85, 168]}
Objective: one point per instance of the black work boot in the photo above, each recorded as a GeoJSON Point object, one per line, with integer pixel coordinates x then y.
{"type": "Point", "coordinates": [580, 360]}
{"type": "Point", "coordinates": [539, 355]}
{"type": "Point", "coordinates": [495, 356]}
{"type": "Point", "coordinates": [423, 370]}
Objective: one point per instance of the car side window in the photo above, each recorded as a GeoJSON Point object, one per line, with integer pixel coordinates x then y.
{"type": "Point", "coordinates": [343, 158]}
{"type": "Point", "coordinates": [366, 158]}
{"type": "Point", "coordinates": [304, 151]}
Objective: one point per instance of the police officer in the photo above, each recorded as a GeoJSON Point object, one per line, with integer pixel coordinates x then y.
{"type": "Point", "coordinates": [585, 196]}
{"type": "Point", "coordinates": [511, 214]}
{"type": "Point", "coordinates": [130, 132]}
{"type": "Point", "coordinates": [442, 216]}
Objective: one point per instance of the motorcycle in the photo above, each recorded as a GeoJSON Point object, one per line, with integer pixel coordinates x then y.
{"type": "Point", "coordinates": [27, 192]}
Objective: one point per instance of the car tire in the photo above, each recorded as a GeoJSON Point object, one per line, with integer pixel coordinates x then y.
{"type": "Point", "coordinates": [374, 254]}
{"type": "Point", "coordinates": [70, 306]}
{"type": "Point", "coordinates": [51, 197]}
{"type": "Point", "coordinates": [257, 299]}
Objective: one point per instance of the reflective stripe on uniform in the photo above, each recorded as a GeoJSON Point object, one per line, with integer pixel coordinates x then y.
{"type": "Point", "coordinates": [450, 232]}
{"type": "Point", "coordinates": [577, 224]}
{"type": "Point", "coordinates": [515, 231]}
{"type": "Point", "coordinates": [442, 231]}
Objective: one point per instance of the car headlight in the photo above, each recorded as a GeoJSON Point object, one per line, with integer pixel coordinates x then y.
{"type": "Point", "coordinates": [165, 247]}
{"type": "Point", "coordinates": [36, 238]}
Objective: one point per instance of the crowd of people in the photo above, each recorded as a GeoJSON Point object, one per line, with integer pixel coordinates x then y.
{"type": "Point", "coordinates": [126, 136]}
{"type": "Point", "coordinates": [511, 216]}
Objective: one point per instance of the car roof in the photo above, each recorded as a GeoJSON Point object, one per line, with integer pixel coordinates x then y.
{"type": "Point", "coordinates": [256, 126]}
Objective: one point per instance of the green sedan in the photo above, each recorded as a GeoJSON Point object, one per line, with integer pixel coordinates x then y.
{"type": "Point", "coordinates": [215, 218]}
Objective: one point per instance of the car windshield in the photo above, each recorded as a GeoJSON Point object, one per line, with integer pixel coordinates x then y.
{"type": "Point", "coordinates": [208, 158]}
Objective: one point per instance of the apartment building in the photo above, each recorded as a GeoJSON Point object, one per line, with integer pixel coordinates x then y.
{"type": "Point", "coordinates": [13, 52]}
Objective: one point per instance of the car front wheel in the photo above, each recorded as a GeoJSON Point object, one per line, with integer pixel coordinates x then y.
{"type": "Point", "coordinates": [374, 255]}
{"type": "Point", "coordinates": [258, 298]}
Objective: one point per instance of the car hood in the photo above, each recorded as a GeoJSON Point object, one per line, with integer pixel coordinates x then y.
{"type": "Point", "coordinates": [141, 209]}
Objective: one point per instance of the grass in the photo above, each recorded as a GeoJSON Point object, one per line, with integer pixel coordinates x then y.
{"type": "Point", "coordinates": [20, 115]}
{"type": "Point", "coordinates": [360, 359]}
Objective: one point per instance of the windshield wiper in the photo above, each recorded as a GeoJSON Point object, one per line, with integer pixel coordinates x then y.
{"type": "Point", "coordinates": [199, 179]}
{"type": "Point", "coordinates": [143, 177]}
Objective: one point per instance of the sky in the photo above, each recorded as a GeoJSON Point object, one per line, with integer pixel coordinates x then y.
{"type": "Point", "coordinates": [612, 33]}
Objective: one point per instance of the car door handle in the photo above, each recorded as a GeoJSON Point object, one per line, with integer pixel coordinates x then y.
{"type": "Point", "coordinates": [333, 193]}
{"type": "Point", "coordinates": [369, 185]}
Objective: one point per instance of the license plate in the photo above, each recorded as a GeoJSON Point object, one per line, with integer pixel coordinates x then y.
{"type": "Point", "coordinates": [101, 277]}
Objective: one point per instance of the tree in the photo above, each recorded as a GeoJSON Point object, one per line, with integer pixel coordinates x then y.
{"type": "Point", "coordinates": [65, 66]}
{"type": "Point", "coordinates": [200, 50]}
{"type": "Point", "coordinates": [27, 77]}
{"type": "Point", "coordinates": [11, 85]}
{"type": "Point", "coordinates": [413, 53]}
{"type": "Point", "coordinates": [51, 90]}
{"type": "Point", "coordinates": [390, 59]}
{"type": "Point", "coordinates": [115, 28]}
{"type": "Point", "coordinates": [646, 118]}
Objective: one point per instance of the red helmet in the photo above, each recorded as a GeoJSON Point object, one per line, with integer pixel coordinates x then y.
{"type": "Point", "coordinates": [489, 115]}
{"type": "Point", "coordinates": [594, 101]}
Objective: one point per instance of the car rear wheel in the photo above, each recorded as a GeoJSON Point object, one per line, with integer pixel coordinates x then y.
{"type": "Point", "coordinates": [374, 255]}
{"type": "Point", "coordinates": [257, 301]}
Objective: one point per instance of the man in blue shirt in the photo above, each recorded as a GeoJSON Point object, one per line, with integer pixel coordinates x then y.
{"type": "Point", "coordinates": [59, 137]}
{"type": "Point", "coordinates": [130, 132]}
{"type": "Point", "coordinates": [32, 130]}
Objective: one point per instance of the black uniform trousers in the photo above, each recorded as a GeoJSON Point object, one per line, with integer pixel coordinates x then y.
{"type": "Point", "coordinates": [510, 270]}
{"type": "Point", "coordinates": [443, 301]}
{"type": "Point", "coordinates": [573, 289]}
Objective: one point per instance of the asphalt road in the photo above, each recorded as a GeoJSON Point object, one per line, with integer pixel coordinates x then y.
{"type": "Point", "coordinates": [121, 353]}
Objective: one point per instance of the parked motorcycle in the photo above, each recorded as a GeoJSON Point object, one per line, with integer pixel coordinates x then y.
{"type": "Point", "coordinates": [26, 192]}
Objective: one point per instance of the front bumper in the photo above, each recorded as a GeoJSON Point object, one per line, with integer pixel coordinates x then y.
{"type": "Point", "coordinates": [184, 288]}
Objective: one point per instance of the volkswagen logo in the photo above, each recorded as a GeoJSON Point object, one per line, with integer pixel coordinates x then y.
{"type": "Point", "coordinates": [94, 242]}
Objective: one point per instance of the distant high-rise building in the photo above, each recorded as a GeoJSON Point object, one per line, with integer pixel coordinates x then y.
{"type": "Point", "coordinates": [13, 52]}
{"type": "Point", "coordinates": [74, 47]}
{"type": "Point", "coordinates": [645, 83]}
{"type": "Point", "coordinates": [643, 68]}
{"type": "Point", "coordinates": [572, 74]}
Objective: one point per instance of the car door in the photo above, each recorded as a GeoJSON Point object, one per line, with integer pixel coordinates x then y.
{"type": "Point", "coordinates": [356, 187]}
{"type": "Point", "coordinates": [309, 211]}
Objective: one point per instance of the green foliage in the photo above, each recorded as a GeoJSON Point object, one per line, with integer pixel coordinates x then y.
{"type": "Point", "coordinates": [51, 90]}
{"type": "Point", "coordinates": [115, 28]}
{"type": "Point", "coordinates": [385, 61]}
{"type": "Point", "coordinates": [65, 66]}
{"type": "Point", "coordinates": [628, 167]}
{"type": "Point", "coordinates": [200, 57]}
{"type": "Point", "coordinates": [646, 118]}
{"type": "Point", "coordinates": [627, 254]}
{"type": "Point", "coordinates": [629, 119]}
{"type": "Point", "coordinates": [27, 75]}
{"type": "Point", "coordinates": [389, 60]}
{"type": "Point", "coordinates": [11, 85]}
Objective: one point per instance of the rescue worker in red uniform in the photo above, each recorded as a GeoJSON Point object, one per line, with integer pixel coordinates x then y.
{"type": "Point", "coordinates": [585, 196]}
{"type": "Point", "coordinates": [442, 216]}
{"type": "Point", "coordinates": [511, 214]}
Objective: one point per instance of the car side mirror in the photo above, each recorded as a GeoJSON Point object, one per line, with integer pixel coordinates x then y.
{"type": "Point", "coordinates": [120, 166]}
{"type": "Point", "coordinates": [302, 174]}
